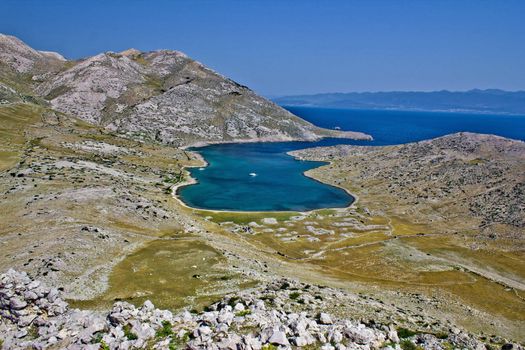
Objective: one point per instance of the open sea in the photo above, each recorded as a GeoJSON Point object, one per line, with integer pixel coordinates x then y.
{"type": "Point", "coordinates": [262, 177]}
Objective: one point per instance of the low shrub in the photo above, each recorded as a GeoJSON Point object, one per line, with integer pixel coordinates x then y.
{"type": "Point", "coordinates": [243, 313]}
{"type": "Point", "coordinates": [128, 333]}
{"type": "Point", "coordinates": [442, 335]}
{"type": "Point", "coordinates": [165, 331]}
{"type": "Point", "coordinates": [269, 347]}
{"type": "Point", "coordinates": [233, 300]}
{"type": "Point", "coordinates": [405, 333]}
{"type": "Point", "coordinates": [408, 345]}
{"type": "Point", "coordinates": [295, 295]}
{"type": "Point", "coordinates": [285, 285]}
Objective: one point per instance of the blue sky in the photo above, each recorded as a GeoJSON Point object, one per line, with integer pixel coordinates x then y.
{"type": "Point", "coordinates": [282, 47]}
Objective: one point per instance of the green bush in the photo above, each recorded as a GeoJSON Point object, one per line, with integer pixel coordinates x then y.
{"type": "Point", "coordinates": [285, 285]}
{"type": "Point", "coordinates": [269, 298]}
{"type": "Point", "coordinates": [179, 343]}
{"type": "Point", "coordinates": [269, 347]}
{"type": "Point", "coordinates": [295, 295]}
{"type": "Point", "coordinates": [442, 335]}
{"type": "Point", "coordinates": [233, 300]}
{"type": "Point", "coordinates": [165, 331]}
{"type": "Point", "coordinates": [128, 333]}
{"type": "Point", "coordinates": [243, 313]}
{"type": "Point", "coordinates": [186, 337]}
{"type": "Point", "coordinates": [97, 338]}
{"type": "Point", "coordinates": [408, 345]}
{"type": "Point", "coordinates": [447, 346]}
{"type": "Point", "coordinates": [405, 333]}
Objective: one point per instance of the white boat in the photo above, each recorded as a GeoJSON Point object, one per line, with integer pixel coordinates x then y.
{"type": "Point", "coordinates": [253, 174]}
{"type": "Point", "coordinates": [201, 169]}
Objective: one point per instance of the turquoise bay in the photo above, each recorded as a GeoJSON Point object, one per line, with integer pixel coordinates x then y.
{"type": "Point", "coordinates": [258, 177]}
{"type": "Point", "coordinates": [279, 184]}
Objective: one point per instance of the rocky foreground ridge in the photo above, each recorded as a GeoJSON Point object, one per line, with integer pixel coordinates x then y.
{"type": "Point", "coordinates": [163, 96]}
{"type": "Point", "coordinates": [281, 315]}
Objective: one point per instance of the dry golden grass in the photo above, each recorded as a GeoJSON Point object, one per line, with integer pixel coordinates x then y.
{"type": "Point", "coordinates": [15, 119]}
{"type": "Point", "coordinates": [173, 273]}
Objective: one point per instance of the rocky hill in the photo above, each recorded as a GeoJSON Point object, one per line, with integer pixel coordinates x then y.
{"type": "Point", "coordinates": [21, 58]}
{"type": "Point", "coordinates": [458, 177]}
{"type": "Point", "coordinates": [18, 64]}
{"type": "Point", "coordinates": [162, 95]}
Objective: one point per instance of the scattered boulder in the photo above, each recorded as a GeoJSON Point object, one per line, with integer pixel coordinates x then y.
{"type": "Point", "coordinates": [279, 338]}
{"type": "Point", "coordinates": [269, 221]}
{"type": "Point", "coordinates": [325, 318]}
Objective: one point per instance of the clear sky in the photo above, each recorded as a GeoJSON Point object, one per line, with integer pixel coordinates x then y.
{"type": "Point", "coordinates": [293, 47]}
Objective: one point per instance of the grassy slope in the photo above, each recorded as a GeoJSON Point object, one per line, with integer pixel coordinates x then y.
{"type": "Point", "coordinates": [72, 213]}
{"type": "Point", "coordinates": [14, 121]}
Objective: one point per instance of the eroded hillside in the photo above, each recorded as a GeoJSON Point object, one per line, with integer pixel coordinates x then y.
{"type": "Point", "coordinates": [162, 96]}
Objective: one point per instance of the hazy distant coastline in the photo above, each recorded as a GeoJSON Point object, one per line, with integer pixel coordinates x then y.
{"type": "Point", "coordinates": [472, 101]}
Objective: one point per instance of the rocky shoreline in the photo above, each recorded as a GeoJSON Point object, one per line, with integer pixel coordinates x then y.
{"type": "Point", "coordinates": [324, 133]}
{"type": "Point", "coordinates": [282, 314]}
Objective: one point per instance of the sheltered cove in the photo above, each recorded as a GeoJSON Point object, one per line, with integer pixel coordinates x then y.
{"type": "Point", "coordinates": [334, 196]}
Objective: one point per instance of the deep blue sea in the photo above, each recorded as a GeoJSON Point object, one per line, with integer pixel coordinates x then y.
{"type": "Point", "coordinates": [392, 127]}
{"type": "Point", "coordinates": [279, 183]}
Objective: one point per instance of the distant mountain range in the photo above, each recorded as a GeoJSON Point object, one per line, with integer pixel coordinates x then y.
{"type": "Point", "coordinates": [479, 101]}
